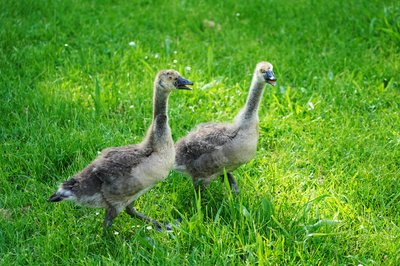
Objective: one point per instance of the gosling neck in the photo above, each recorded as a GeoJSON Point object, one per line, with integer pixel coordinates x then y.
{"type": "Point", "coordinates": [250, 111]}
{"type": "Point", "coordinates": [160, 102]}
{"type": "Point", "coordinates": [159, 133]}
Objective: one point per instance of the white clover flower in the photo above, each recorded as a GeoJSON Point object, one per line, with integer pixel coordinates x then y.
{"type": "Point", "coordinates": [209, 23]}
{"type": "Point", "coordinates": [207, 86]}
{"type": "Point", "coordinates": [132, 44]}
{"type": "Point", "coordinates": [187, 68]}
{"type": "Point", "coordinates": [175, 52]}
{"type": "Point", "coordinates": [311, 106]}
{"type": "Point", "coordinates": [131, 106]}
{"type": "Point", "coordinates": [116, 233]}
{"type": "Point", "coordinates": [149, 227]}
{"type": "Point", "coordinates": [66, 45]}
{"type": "Point", "coordinates": [97, 213]}
{"type": "Point", "coordinates": [175, 61]}
{"type": "Point", "coordinates": [156, 56]}
{"type": "Point", "coordinates": [238, 14]}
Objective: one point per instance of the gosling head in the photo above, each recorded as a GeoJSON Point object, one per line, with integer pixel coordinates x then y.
{"type": "Point", "coordinates": [264, 73]}
{"type": "Point", "coordinates": [168, 80]}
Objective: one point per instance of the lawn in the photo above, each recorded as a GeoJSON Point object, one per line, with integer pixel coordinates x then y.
{"type": "Point", "coordinates": [324, 189]}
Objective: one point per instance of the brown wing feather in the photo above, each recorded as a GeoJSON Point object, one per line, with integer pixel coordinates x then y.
{"type": "Point", "coordinates": [198, 151]}
{"type": "Point", "coordinates": [118, 162]}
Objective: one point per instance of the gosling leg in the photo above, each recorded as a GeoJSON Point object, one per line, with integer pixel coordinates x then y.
{"type": "Point", "coordinates": [135, 214]}
{"type": "Point", "coordinates": [200, 184]}
{"type": "Point", "coordinates": [232, 182]}
{"type": "Point", "coordinates": [111, 213]}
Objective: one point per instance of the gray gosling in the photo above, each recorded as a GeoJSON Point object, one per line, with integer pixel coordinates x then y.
{"type": "Point", "coordinates": [212, 147]}
{"type": "Point", "coordinates": [120, 175]}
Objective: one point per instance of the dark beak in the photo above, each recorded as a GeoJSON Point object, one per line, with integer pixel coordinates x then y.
{"type": "Point", "coordinates": [181, 83]}
{"type": "Point", "coordinates": [270, 78]}
{"type": "Point", "coordinates": [55, 198]}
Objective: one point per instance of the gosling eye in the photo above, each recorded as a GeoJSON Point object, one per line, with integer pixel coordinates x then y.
{"type": "Point", "coordinates": [170, 78]}
{"type": "Point", "coordinates": [263, 71]}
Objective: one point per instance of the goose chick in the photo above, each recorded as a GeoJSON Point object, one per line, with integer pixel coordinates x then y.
{"type": "Point", "coordinates": [212, 147]}
{"type": "Point", "coordinates": [119, 175]}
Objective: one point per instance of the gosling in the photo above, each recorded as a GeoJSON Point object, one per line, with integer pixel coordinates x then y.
{"type": "Point", "coordinates": [212, 147]}
{"type": "Point", "coordinates": [119, 175]}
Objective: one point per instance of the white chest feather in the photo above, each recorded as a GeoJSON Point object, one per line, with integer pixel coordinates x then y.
{"type": "Point", "coordinates": [244, 147]}
{"type": "Point", "coordinates": [156, 167]}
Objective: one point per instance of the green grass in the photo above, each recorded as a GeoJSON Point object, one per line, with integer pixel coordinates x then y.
{"type": "Point", "coordinates": [324, 188]}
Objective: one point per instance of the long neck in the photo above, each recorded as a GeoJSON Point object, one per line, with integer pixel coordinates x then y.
{"type": "Point", "coordinates": [250, 111]}
{"type": "Point", "coordinates": [160, 103]}
{"type": "Point", "coordinates": [159, 133]}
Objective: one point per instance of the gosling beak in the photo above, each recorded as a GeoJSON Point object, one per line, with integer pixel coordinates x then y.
{"type": "Point", "coordinates": [55, 198]}
{"type": "Point", "coordinates": [181, 83]}
{"type": "Point", "coordinates": [270, 78]}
